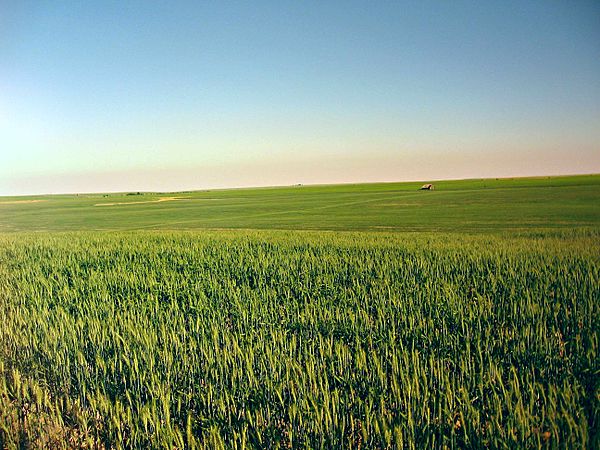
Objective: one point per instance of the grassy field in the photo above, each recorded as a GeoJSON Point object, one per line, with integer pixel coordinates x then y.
{"type": "Point", "coordinates": [466, 205]}
{"type": "Point", "coordinates": [479, 327]}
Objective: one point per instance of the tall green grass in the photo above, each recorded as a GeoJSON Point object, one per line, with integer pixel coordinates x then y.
{"type": "Point", "coordinates": [303, 340]}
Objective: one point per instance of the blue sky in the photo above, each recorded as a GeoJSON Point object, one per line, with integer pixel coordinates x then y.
{"type": "Point", "coordinates": [110, 96]}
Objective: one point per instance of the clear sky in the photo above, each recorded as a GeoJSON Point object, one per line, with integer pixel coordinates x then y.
{"type": "Point", "coordinates": [157, 95]}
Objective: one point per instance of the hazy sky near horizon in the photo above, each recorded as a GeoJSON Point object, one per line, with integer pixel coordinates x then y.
{"type": "Point", "coordinates": [139, 95]}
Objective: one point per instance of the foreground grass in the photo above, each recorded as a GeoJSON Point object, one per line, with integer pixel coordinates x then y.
{"type": "Point", "coordinates": [279, 339]}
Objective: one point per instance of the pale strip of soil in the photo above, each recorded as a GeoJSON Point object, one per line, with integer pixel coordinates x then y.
{"type": "Point", "coordinates": [162, 199]}
{"type": "Point", "coordinates": [17, 202]}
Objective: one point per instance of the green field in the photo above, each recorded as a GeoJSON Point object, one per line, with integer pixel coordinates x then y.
{"type": "Point", "coordinates": [350, 316]}
{"type": "Point", "coordinates": [465, 205]}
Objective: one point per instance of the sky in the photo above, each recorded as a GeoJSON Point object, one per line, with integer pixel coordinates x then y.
{"type": "Point", "coordinates": [165, 96]}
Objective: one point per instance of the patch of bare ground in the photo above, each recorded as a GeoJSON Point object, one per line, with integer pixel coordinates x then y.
{"type": "Point", "coordinates": [18, 202]}
{"type": "Point", "coordinates": [159, 200]}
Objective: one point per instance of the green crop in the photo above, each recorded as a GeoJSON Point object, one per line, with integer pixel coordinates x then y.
{"type": "Point", "coordinates": [297, 339]}
{"type": "Point", "coordinates": [473, 206]}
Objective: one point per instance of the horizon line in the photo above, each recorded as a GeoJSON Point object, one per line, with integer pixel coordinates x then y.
{"type": "Point", "coordinates": [280, 186]}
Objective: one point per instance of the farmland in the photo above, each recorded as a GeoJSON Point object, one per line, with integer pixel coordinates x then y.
{"type": "Point", "coordinates": [462, 205]}
{"type": "Point", "coordinates": [353, 316]}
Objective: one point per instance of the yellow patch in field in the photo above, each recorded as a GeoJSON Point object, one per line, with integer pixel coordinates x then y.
{"type": "Point", "coordinates": [18, 202]}
{"type": "Point", "coordinates": [162, 199]}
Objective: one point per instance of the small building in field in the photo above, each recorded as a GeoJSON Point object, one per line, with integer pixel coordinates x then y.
{"type": "Point", "coordinates": [427, 187]}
